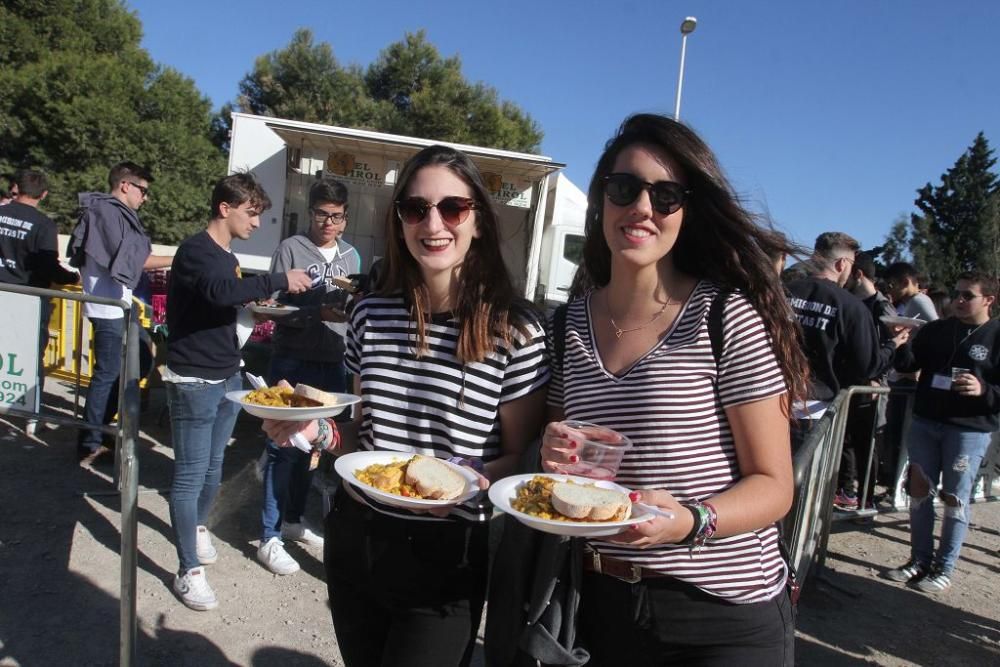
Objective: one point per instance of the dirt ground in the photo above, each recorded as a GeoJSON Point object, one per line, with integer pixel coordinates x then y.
{"type": "Point", "coordinates": [59, 573]}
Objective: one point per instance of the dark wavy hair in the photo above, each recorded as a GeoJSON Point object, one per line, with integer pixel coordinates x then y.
{"type": "Point", "coordinates": [719, 241]}
{"type": "Point", "coordinates": [488, 305]}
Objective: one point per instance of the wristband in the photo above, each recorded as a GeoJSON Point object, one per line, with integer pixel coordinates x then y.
{"type": "Point", "coordinates": [335, 441]}
{"type": "Point", "coordinates": [695, 527]}
{"type": "Point", "coordinates": [474, 463]}
{"type": "Point", "coordinates": [706, 521]}
{"type": "Point", "coordinates": [322, 433]}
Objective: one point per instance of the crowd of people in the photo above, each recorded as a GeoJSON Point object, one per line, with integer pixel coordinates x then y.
{"type": "Point", "coordinates": [679, 334]}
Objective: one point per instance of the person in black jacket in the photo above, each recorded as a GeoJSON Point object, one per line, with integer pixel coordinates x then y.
{"type": "Point", "coordinates": [203, 364]}
{"type": "Point", "coordinates": [838, 331]}
{"type": "Point", "coordinates": [957, 409]}
{"type": "Point", "coordinates": [868, 417]}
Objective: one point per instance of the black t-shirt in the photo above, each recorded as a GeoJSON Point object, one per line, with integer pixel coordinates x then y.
{"type": "Point", "coordinates": [950, 343]}
{"type": "Point", "coordinates": [28, 248]}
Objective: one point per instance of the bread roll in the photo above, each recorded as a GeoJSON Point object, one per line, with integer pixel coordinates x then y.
{"type": "Point", "coordinates": [590, 503]}
{"type": "Point", "coordinates": [313, 394]}
{"type": "Point", "coordinates": [434, 479]}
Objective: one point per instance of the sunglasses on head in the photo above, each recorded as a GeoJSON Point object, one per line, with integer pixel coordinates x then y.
{"type": "Point", "coordinates": [964, 295]}
{"type": "Point", "coordinates": [666, 197]}
{"type": "Point", "coordinates": [453, 210]}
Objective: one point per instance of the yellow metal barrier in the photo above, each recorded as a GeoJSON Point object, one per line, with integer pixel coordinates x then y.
{"type": "Point", "coordinates": [70, 352]}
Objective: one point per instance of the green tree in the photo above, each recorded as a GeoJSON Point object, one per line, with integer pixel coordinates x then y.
{"type": "Point", "coordinates": [895, 248]}
{"type": "Point", "coordinates": [303, 81]}
{"type": "Point", "coordinates": [410, 89]}
{"type": "Point", "coordinates": [954, 216]}
{"type": "Point", "coordinates": [78, 94]}
{"type": "Point", "coordinates": [957, 223]}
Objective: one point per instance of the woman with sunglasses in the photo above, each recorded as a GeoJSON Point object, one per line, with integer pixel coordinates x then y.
{"type": "Point", "coordinates": [449, 362]}
{"type": "Point", "coordinates": [665, 236]}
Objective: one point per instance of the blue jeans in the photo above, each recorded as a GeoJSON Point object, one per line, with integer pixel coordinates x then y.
{"type": "Point", "coordinates": [201, 420]}
{"type": "Point", "coordinates": [104, 379]}
{"type": "Point", "coordinates": [286, 474]}
{"type": "Point", "coordinates": [952, 455]}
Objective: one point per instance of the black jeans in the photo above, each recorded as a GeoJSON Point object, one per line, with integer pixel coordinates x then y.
{"type": "Point", "coordinates": [861, 428]}
{"type": "Point", "coordinates": [403, 592]}
{"type": "Point", "coordinates": [662, 621]}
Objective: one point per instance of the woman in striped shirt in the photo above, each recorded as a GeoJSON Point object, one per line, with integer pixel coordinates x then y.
{"type": "Point", "coordinates": [665, 234]}
{"type": "Point", "coordinates": [449, 362]}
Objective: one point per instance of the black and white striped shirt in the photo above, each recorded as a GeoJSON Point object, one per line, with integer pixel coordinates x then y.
{"type": "Point", "coordinates": [671, 404]}
{"type": "Point", "coordinates": [435, 405]}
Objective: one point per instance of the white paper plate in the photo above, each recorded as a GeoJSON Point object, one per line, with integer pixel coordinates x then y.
{"type": "Point", "coordinates": [272, 311]}
{"type": "Point", "coordinates": [505, 490]}
{"type": "Point", "coordinates": [900, 321]}
{"type": "Point", "coordinates": [293, 414]}
{"type": "Point", "coordinates": [348, 464]}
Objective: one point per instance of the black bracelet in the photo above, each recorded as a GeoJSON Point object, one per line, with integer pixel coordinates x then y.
{"type": "Point", "coordinates": [696, 528]}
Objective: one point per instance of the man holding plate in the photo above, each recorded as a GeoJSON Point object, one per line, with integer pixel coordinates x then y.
{"type": "Point", "coordinates": [203, 364]}
{"type": "Point", "coordinates": [308, 348]}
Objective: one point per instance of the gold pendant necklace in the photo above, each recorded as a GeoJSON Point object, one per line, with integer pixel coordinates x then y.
{"type": "Point", "coordinates": [619, 332]}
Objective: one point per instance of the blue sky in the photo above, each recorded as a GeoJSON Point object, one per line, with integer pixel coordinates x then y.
{"type": "Point", "coordinates": [827, 116]}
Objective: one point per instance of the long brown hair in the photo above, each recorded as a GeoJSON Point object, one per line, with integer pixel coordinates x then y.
{"type": "Point", "coordinates": [487, 305]}
{"type": "Point", "coordinates": [719, 240]}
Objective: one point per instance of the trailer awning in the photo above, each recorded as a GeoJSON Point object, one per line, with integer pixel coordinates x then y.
{"type": "Point", "coordinates": [313, 137]}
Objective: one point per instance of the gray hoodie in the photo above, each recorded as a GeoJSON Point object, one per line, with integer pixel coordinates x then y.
{"type": "Point", "coordinates": [303, 335]}
{"type": "Point", "coordinates": [109, 234]}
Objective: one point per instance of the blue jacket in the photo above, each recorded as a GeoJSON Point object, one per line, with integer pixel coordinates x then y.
{"type": "Point", "coordinates": [110, 234]}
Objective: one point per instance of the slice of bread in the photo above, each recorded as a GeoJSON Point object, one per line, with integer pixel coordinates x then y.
{"type": "Point", "coordinates": [434, 479]}
{"type": "Point", "coordinates": [319, 396]}
{"type": "Point", "coordinates": [585, 502]}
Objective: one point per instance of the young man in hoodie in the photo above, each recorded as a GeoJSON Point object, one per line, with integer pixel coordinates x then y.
{"type": "Point", "coordinates": [308, 348]}
{"type": "Point", "coordinates": [110, 247]}
{"type": "Point", "coordinates": [203, 365]}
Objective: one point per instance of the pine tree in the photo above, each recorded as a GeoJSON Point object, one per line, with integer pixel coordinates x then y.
{"type": "Point", "coordinates": [957, 226]}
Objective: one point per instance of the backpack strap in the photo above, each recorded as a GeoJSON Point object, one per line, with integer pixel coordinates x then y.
{"type": "Point", "coordinates": [715, 322]}
{"type": "Point", "coordinates": [559, 333]}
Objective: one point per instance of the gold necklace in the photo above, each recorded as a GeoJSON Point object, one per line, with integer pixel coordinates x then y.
{"type": "Point", "coordinates": [619, 332]}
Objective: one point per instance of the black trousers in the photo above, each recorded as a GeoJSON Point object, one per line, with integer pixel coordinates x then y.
{"type": "Point", "coordinates": [861, 427]}
{"type": "Point", "coordinates": [403, 592]}
{"type": "Point", "coordinates": [662, 621]}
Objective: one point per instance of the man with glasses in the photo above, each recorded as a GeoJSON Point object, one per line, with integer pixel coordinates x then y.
{"type": "Point", "coordinates": [110, 247]}
{"type": "Point", "coordinates": [957, 408]}
{"type": "Point", "coordinates": [308, 348]}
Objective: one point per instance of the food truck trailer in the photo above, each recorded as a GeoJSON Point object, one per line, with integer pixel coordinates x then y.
{"type": "Point", "coordinates": [541, 212]}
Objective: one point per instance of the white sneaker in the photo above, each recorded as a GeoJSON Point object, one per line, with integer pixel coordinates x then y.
{"type": "Point", "coordinates": [193, 590]}
{"type": "Point", "coordinates": [299, 532]}
{"type": "Point", "coordinates": [207, 553]}
{"type": "Point", "coordinates": [273, 556]}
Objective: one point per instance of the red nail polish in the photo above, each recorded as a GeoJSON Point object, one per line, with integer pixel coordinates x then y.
{"type": "Point", "coordinates": [572, 444]}
{"type": "Point", "coordinates": [634, 496]}
{"type": "Point", "coordinates": [574, 458]}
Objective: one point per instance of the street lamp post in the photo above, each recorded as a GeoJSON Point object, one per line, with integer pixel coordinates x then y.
{"type": "Point", "coordinates": [687, 27]}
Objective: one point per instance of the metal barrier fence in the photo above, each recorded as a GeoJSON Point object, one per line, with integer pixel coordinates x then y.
{"type": "Point", "coordinates": [125, 433]}
{"type": "Point", "coordinates": [816, 464]}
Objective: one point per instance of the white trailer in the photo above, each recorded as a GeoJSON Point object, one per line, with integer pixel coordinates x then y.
{"type": "Point", "coordinates": [541, 211]}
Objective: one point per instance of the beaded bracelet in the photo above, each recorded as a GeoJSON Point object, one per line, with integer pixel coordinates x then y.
{"type": "Point", "coordinates": [706, 522]}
